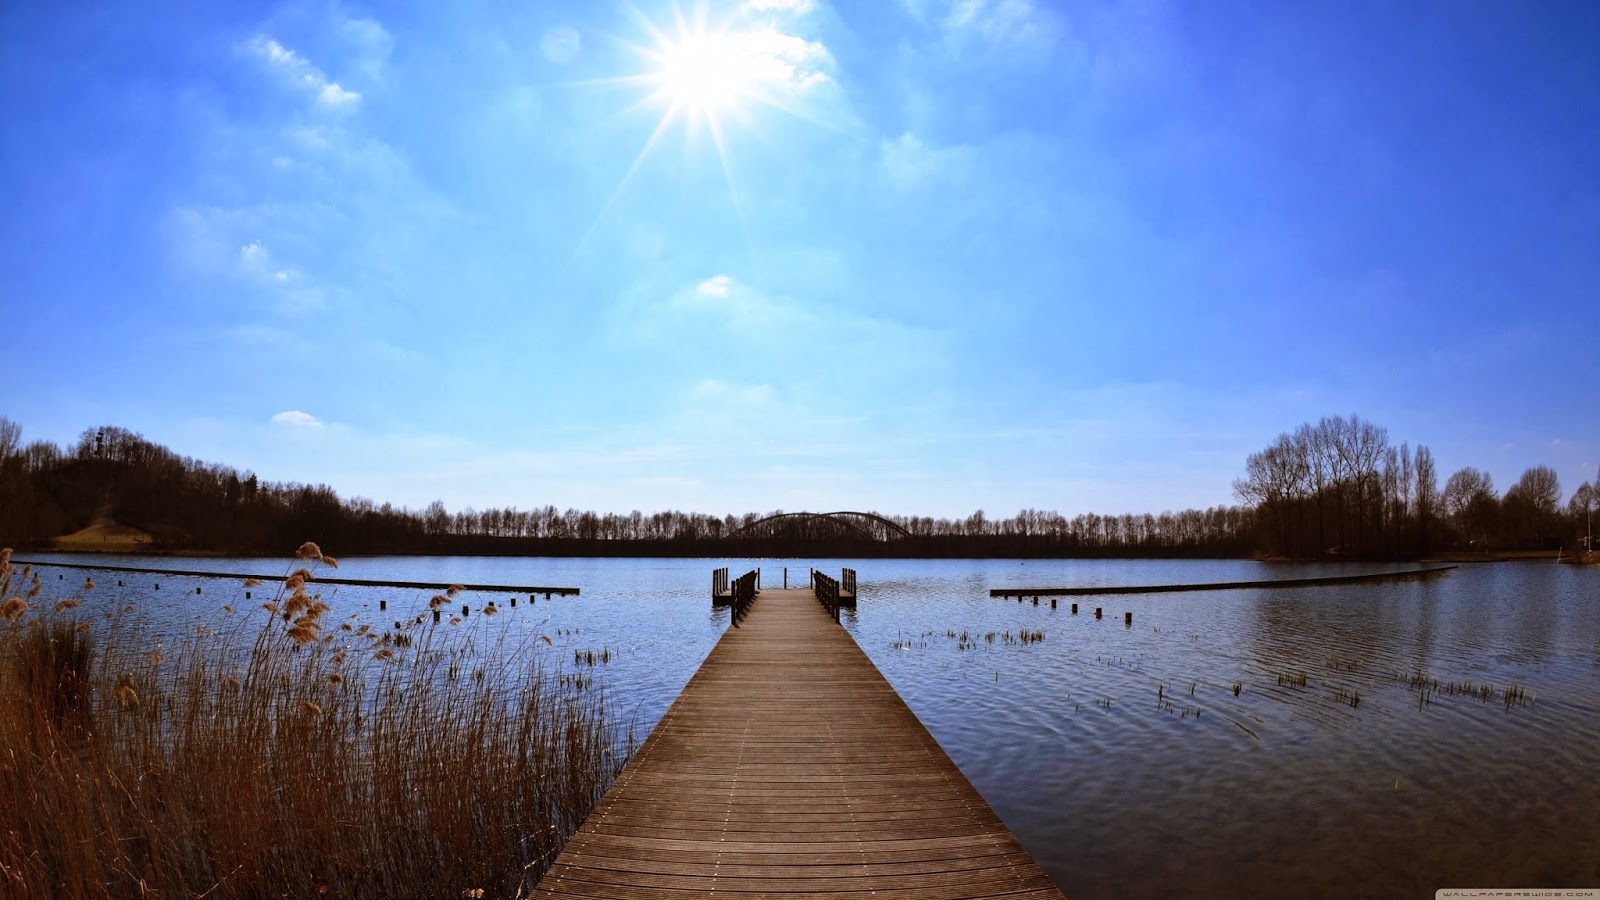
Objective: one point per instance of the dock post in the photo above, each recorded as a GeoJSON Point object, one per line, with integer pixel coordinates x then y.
{"type": "Point", "coordinates": [786, 578]}
{"type": "Point", "coordinates": [1127, 619]}
{"type": "Point", "coordinates": [1074, 609]}
{"type": "Point", "coordinates": [1052, 603]}
{"type": "Point", "coordinates": [467, 610]}
{"type": "Point", "coordinates": [1097, 612]}
{"type": "Point", "coordinates": [383, 605]}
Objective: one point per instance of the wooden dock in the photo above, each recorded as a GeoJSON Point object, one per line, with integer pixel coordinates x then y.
{"type": "Point", "coordinates": [789, 767]}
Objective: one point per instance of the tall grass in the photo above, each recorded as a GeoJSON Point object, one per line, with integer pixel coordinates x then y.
{"type": "Point", "coordinates": [278, 755]}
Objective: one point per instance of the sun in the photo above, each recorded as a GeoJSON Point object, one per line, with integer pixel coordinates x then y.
{"type": "Point", "coordinates": [703, 78]}
{"type": "Point", "coordinates": [705, 74]}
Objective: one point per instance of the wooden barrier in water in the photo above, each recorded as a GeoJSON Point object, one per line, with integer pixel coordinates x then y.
{"type": "Point", "coordinates": [788, 766]}
{"type": "Point", "coordinates": [1037, 592]}
{"type": "Point", "coordinates": [530, 590]}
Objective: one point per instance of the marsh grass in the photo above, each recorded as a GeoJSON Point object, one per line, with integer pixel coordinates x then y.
{"type": "Point", "coordinates": [268, 757]}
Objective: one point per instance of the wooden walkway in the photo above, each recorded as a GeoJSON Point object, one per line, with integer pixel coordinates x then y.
{"type": "Point", "coordinates": [788, 767]}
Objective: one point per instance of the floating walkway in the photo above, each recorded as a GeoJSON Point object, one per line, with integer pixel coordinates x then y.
{"type": "Point", "coordinates": [319, 579]}
{"type": "Point", "coordinates": [789, 768]}
{"type": "Point", "coordinates": [1407, 575]}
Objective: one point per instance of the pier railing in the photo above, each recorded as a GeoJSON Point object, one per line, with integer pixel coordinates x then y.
{"type": "Point", "coordinates": [744, 593]}
{"type": "Point", "coordinates": [827, 590]}
{"type": "Point", "coordinates": [848, 587]}
{"type": "Point", "coordinates": [719, 582]}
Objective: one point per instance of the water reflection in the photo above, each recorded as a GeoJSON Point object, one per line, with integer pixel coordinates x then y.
{"type": "Point", "coordinates": [1122, 757]}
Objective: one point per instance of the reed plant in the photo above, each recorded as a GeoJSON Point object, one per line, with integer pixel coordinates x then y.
{"type": "Point", "coordinates": [281, 755]}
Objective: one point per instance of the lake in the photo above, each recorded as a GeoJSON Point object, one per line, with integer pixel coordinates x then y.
{"type": "Point", "coordinates": [1380, 740]}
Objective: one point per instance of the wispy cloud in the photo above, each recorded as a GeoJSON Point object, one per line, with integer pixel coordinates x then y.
{"type": "Point", "coordinates": [908, 160]}
{"type": "Point", "coordinates": [1014, 22]}
{"type": "Point", "coordinates": [294, 418]}
{"type": "Point", "coordinates": [794, 7]}
{"type": "Point", "coordinates": [328, 93]}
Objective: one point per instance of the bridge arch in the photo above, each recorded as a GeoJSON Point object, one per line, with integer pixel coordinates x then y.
{"type": "Point", "coordinates": [864, 525]}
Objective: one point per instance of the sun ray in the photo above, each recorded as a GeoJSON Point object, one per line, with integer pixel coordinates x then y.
{"type": "Point", "coordinates": [704, 77]}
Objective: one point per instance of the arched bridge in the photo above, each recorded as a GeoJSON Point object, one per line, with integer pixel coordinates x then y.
{"type": "Point", "coordinates": [807, 525]}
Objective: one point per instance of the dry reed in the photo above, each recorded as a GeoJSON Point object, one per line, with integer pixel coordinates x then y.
{"type": "Point", "coordinates": [269, 758]}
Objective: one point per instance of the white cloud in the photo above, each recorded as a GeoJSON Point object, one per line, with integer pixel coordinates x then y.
{"type": "Point", "coordinates": [303, 73]}
{"type": "Point", "coordinates": [715, 286]}
{"type": "Point", "coordinates": [1010, 24]}
{"type": "Point", "coordinates": [294, 418]}
{"type": "Point", "coordinates": [254, 253]}
{"type": "Point", "coordinates": [334, 95]}
{"type": "Point", "coordinates": [794, 7]}
{"type": "Point", "coordinates": [788, 60]}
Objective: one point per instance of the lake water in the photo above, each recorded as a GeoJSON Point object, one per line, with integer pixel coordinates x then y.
{"type": "Point", "coordinates": [1124, 758]}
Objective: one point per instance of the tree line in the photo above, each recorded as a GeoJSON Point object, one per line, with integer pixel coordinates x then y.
{"type": "Point", "coordinates": [1339, 488]}
{"type": "Point", "coordinates": [191, 505]}
{"type": "Point", "coordinates": [1334, 489]}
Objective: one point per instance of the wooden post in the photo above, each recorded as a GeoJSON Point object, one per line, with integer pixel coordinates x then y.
{"type": "Point", "coordinates": [436, 615]}
{"type": "Point", "coordinates": [1074, 609]}
{"type": "Point", "coordinates": [786, 578]}
{"type": "Point", "coordinates": [246, 593]}
{"type": "Point", "coordinates": [383, 605]}
{"type": "Point", "coordinates": [1127, 619]}
{"type": "Point", "coordinates": [1035, 600]}
{"type": "Point", "coordinates": [1097, 612]}
{"type": "Point", "coordinates": [513, 600]}
{"type": "Point", "coordinates": [1052, 603]}
{"type": "Point", "coordinates": [197, 590]}
{"type": "Point", "coordinates": [467, 610]}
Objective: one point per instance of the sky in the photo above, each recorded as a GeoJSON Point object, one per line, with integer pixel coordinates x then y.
{"type": "Point", "coordinates": [921, 257]}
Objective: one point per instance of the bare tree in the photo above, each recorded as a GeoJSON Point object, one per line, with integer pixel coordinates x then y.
{"type": "Point", "coordinates": [1532, 503]}
{"type": "Point", "coordinates": [10, 439]}
{"type": "Point", "coordinates": [1427, 494]}
{"type": "Point", "coordinates": [1469, 501]}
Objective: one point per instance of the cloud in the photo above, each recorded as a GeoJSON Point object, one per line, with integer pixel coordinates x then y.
{"type": "Point", "coordinates": [715, 286]}
{"type": "Point", "coordinates": [793, 7]}
{"type": "Point", "coordinates": [302, 72]}
{"type": "Point", "coordinates": [334, 95]}
{"type": "Point", "coordinates": [294, 418]}
{"type": "Point", "coordinates": [373, 45]}
{"type": "Point", "coordinates": [908, 160]}
{"type": "Point", "coordinates": [257, 260]}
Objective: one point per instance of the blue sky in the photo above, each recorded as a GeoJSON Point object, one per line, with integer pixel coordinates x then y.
{"type": "Point", "coordinates": [918, 256]}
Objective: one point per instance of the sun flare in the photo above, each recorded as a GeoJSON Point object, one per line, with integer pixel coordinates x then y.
{"type": "Point", "coordinates": [704, 73]}
{"type": "Point", "coordinates": [699, 77]}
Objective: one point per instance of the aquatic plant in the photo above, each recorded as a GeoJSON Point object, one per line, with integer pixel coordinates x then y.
{"type": "Point", "coordinates": [278, 756]}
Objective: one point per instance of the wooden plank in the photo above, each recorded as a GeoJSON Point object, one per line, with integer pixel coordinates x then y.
{"type": "Point", "coordinates": [789, 768]}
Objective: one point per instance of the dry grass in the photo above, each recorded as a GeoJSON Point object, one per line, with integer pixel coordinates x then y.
{"type": "Point", "coordinates": [106, 536]}
{"type": "Point", "coordinates": [272, 757]}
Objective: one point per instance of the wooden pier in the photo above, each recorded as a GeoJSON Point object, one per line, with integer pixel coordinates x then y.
{"type": "Point", "coordinates": [789, 767]}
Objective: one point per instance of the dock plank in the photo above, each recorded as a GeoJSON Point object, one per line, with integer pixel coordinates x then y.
{"type": "Point", "coordinates": [789, 768]}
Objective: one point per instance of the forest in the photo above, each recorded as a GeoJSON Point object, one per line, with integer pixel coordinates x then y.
{"type": "Point", "coordinates": [1339, 488]}
{"type": "Point", "coordinates": [1335, 489]}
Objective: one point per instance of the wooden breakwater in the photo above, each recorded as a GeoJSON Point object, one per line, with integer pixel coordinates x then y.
{"type": "Point", "coordinates": [788, 766]}
{"type": "Point", "coordinates": [319, 579]}
{"type": "Point", "coordinates": [1408, 575]}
